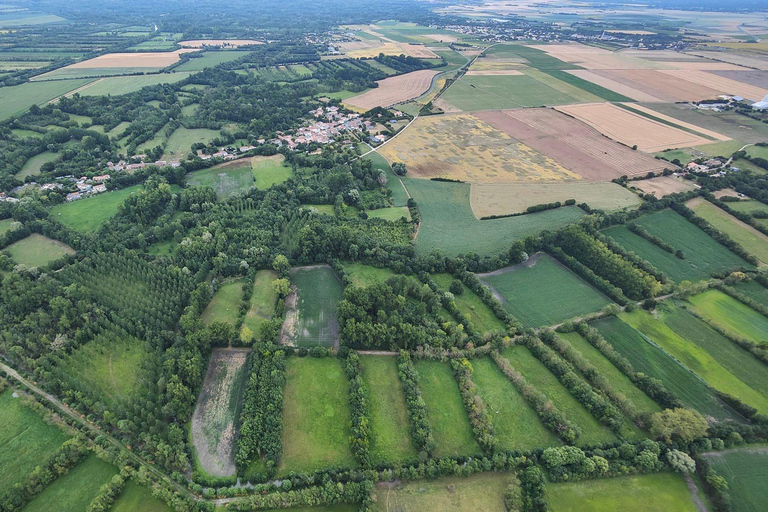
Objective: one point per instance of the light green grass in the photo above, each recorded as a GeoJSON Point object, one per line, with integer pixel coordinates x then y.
{"type": "Point", "coordinates": [479, 92]}
{"type": "Point", "coordinates": [225, 304]}
{"type": "Point", "coordinates": [638, 493]}
{"type": "Point", "coordinates": [33, 165]}
{"type": "Point", "coordinates": [516, 425]}
{"type": "Point", "coordinates": [315, 416]}
{"type": "Point", "coordinates": [25, 440]}
{"type": "Point", "coordinates": [70, 73]}
{"type": "Point", "coordinates": [137, 498]}
{"type": "Point", "coordinates": [75, 490]}
{"type": "Point", "coordinates": [399, 195]}
{"type": "Point", "coordinates": [449, 225]}
{"type": "Point", "coordinates": [390, 432]}
{"type": "Point", "coordinates": [731, 314]}
{"type": "Point", "coordinates": [746, 471]}
{"type": "Point", "coordinates": [88, 214]}
{"type": "Point", "coordinates": [470, 304]}
{"type": "Point", "coordinates": [38, 251]}
{"type": "Point", "coordinates": [323, 209]}
{"type": "Point", "coordinates": [211, 59]}
{"type": "Point", "coordinates": [545, 293]}
{"type": "Point", "coordinates": [262, 301]}
{"type": "Point", "coordinates": [269, 170]}
{"type": "Point", "coordinates": [181, 140]}
{"type": "Point", "coordinates": [17, 99]}
{"type": "Point", "coordinates": [366, 275]}
{"type": "Point", "coordinates": [483, 492]}
{"type": "Point", "coordinates": [618, 380]}
{"type": "Point", "coordinates": [751, 289]}
{"type": "Point", "coordinates": [542, 379]}
{"type": "Point", "coordinates": [319, 292]}
{"type": "Point", "coordinates": [5, 225]}
{"type": "Point", "coordinates": [26, 133]}
{"type": "Point", "coordinates": [226, 180]}
{"type": "Point", "coordinates": [390, 214]}
{"type": "Point", "coordinates": [753, 241]}
{"type": "Point", "coordinates": [445, 410]}
{"type": "Point", "coordinates": [748, 205]}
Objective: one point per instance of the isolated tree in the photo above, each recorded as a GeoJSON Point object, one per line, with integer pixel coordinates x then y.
{"type": "Point", "coordinates": [681, 462]}
{"type": "Point", "coordinates": [281, 265]}
{"type": "Point", "coordinates": [683, 424]}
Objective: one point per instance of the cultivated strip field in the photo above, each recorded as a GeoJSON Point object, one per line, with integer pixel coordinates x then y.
{"type": "Point", "coordinates": [746, 471]}
{"type": "Point", "coordinates": [730, 314]}
{"type": "Point", "coordinates": [719, 83]}
{"type": "Point", "coordinates": [395, 89]}
{"type": "Point", "coordinates": [663, 185]}
{"type": "Point", "coordinates": [754, 241]}
{"type": "Point", "coordinates": [666, 87]}
{"type": "Point", "coordinates": [573, 144]}
{"type": "Point", "coordinates": [632, 129]}
{"type": "Point", "coordinates": [614, 85]}
{"type": "Point", "coordinates": [131, 60]}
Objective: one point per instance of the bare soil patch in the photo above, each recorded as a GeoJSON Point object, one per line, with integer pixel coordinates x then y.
{"type": "Point", "coordinates": [663, 185]}
{"type": "Point", "coordinates": [396, 89]}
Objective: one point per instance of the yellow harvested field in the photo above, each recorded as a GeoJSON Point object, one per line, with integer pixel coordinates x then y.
{"type": "Point", "coordinates": [505, 198]}
{"type": "Point", "coordinates": [655, 82]}
{"type": "Point", "coordinates": [596, 58]}
{"type": "Point", "coordinates": [704, 66]}
{"type": "Point", "coordinates": [632, 129]}
{"type": "Point", "coordinates": [488, 64]}
{"type": "Point", "coordinates": [462, 147]}
{"type": "Point", "coordinates": [494, 72]}
{"type": "Point", "coordinates": [678, 122]}
{"type": "Point", "coordinates": [721, 84]}
{"type": "Point", "coordinates": [199, 43]}
{"type": "Point", "coordinates": [418, 51]}
{"type": "Point", "coordinates": [395, 89]}
{"type": "Point", "coordinates": [738, 58]}
{"type": "Point", "coordinates": [663, 185]}
{"type": "Point", "coordinates": [613, 85]}
{"type": "Point", "coordinates": [444, 38]}
{"type": "Point", "coordinates": [132, 60]}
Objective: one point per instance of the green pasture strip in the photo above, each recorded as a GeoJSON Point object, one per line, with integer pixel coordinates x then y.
{"type": "Point", "coordinates": [391, 214]}
{"type": "Point", "coordinates": [315, 416]}
{"type": "Point", "coordinates": [262, 301]}
{"type": "Point", "coordinates": [319, 294]}
{"type": "Point", "coordinates": [472, 306]}
{"type": "Point", "coordinates": [445, 410]}
{"type": "Point", "coordinates": [89, 213]}
{"type": "Point", "coordinates": [746, 471]}
{"type": "Point", "coordinates": [542, 379]}
{"type": "Point", "coordinates": [210, 59]}
{"type": "Point", "coordinates": [656, 363]}
{"type": "Point", "coordinates": [753, 241]}
{"type": "Point", "coordinates": [731, 315]}
{"type": "Point", "coordinates": [748, 205]}
{"type": "Point", "coordinates": [662, 120]}
{"type": "Point", "coordinates": [181, 140]}
{"type": "Point", "coordinates": [137, 498]}
{"type": "Point", "coordinates": [751, 289]}
{"type": "Point", "coordinates": [34, 164]}
{"type": "Point", "coordinates": [389, 414]}
{"type": "Point", "coordinates": [494, 92]}
{"type": "Point", "coordinates": [16, 99]}
{"type": "Point", "coordinates": [225, 304]}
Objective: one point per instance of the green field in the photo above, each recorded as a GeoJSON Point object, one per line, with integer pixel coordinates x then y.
{"type": "Point", "coordinates": [751, 289]}
{"type": "Point", "coordinates": [703, 255]}
{"type": "Point", "coordinates": [5, 225]}
{"type": "Point", "coordinates": [210, 59]}
{"type": "Point", "coordinates": [137, 498]}
{"type": "Point", "coordinates": [390, 214]}
{"type": "Point", "coordinates": [37, 250]}
{"type": "Point", "coordinates": [319, 291]}
{"type": "Point", "coordinates": [25, 440]}
{"type": "Point", "coordinates": [516, 425]}
{"type": "Point", "coordinates": [731, 314]}
{"type": "Point", "coordinates": [746, 471]}
{"type": "Point", "coordinates": [654, 362]}
{"type": "Point", "coordinates": [262, 301]}
{"type": "Point", "coordinates": [17, 99]}
{"type": "Point", "coordinates": [315, 416]}
{"type": "Point", "coordinates": [748, 205]}
{"type": "Point", "coordinates": [542, 379]}
{"type": "Point", "coordinates": [391, 439]}
{"type": "Point", "coordinates": [225, 304]}
{"type": "Point", "coordinates": [755, 242]}
{"type": "Point", "coordinates": [470, 304]}
{"type": "Point", "coordinates": [73, 73]}
{"type": "Point", "coordinates": [473, 92]}
{"type": "Point", "coordinates": [75, 490]}
{"type": "Point", "coordinates": [399, 195]}
{"type": "Point", "coordinates": [449, 225]}
{"type": "Point", "coordinates": [445, 410]}
{"type": "Point", "coordinates": [227, 180]}
{"type": "Point", "coordinates": [543, 292]}
{"type": "Point", "coordinates": [482, 492]}
{"type": "Point", "coordinates": [640, 493]}
{"type": "Point", "coordinates": [366, 275]}
{"type": "Point", "coordinates": [618, 380]}
{"type": "Point", "coordinates": [33, 165]}
{"type": "Point", "coordinates": [269, 170]}
{"type": "Point", "coordinates": [88, 214]}
{"type": "Point", "coordinates": [694, 358]}
{"type": "Point", "coordinates": [181, 140]}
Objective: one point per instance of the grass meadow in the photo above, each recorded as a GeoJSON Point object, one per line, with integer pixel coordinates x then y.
{"type": "Point", "coordinates": [445, 410]}
{"type": "Point", "coordinates": [18, 98]}
{"type": "Point", "coordinates": [391, 439]}
{"type": "Point", "coordinates": [639, 493]}
{"type": "Point", "coordinates": [269, 170]}
{"type": "Point", "coordinates": [5, 225]}
{"type": "Point", "coordinates": [751, 289]}
{"type": "Point", "coordinates": [86, 215]}
{"type": "Point", "coordinates": [365, 275]}
{"type": "Point", "coordinates": [748, 206]}
{"type": "Point", "coordinates": [730, 314]}
{"type": "Point", "coordinates": [37, 250]}
{"type": "Point", "coordinates": [319, 291]}
{"type": "Point", "coordinates": [746, 471]}
{"type": "Point", "coordinates": [262, 301]}
{"type": "Point", "coordinates": [137, 498]}
{"type": "Point", "coordinates": [26, 440]}
{"type": "Point", "coordinates": [542, 379]}
{"type": "Point", "coordinates": [315, 415]}
{"type": "Point", "coordinates": [654, 362]}
{"type": "Point", "coordinates": [33, 165]}
{"type": "Point", "coordinates": [544, 292]}
{"type": "Point", "coordinates": [399, 195]}
{"type": "Point", "coordinates": [473, 92]}
{"type": "Point", "coordinates": [470, 304]}
{"type": "Point", "coordinates": [755, 242]}
{"type": "Point", "coordinates": [180, 142]}
{"type": "Point", "coordinates": [390, 214]}
{"type": "Point", "coordinates": [74, 491]}
{"type": "Point", "coordinates": [225, 304]}
{"type": "Point", "coordinates": [516, 425]}
{"type": "Point", "coordinates": [449, 225]}
{"type": "Point", "coordinates": [226, 181]}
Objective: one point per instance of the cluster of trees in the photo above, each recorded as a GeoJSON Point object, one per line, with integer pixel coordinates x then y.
{"type": "Point", "coordinates": [482, 424]}
{"type": "Point", "coordinates": [533, 486]}
{"type": "Point", "coordinates": [421, 432]}
{"type": "Point", "coordinates": [108, 494]}
{"type": "Point", "coordinates": [571, 463]}
{"type": "Point", "coordinates": [405, 63]}
{"type": "Point", "coordinates": [360, 425]}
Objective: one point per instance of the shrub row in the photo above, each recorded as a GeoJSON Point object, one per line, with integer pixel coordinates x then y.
{"type": "Point", "coordinates": [549, 415]}
{"type": "Point", "coordinates": [633, 258]}
{"type": "Point", "coordinates": [421, 432]}
{"type": "Point", "coordinates": [108, 493]}
{"type": "Point", "coordinates": [533, 487]}
{"type": "Point", "coordinates": [614, 292]}
{"type": "Point", "coordinates": [481, 422]}
{"type": "Point", "coordinates": [473, 282]}
{"type": "Point", "coordinates": [658, 242]}
{"type": "Point", "coordinates": [328, 494]}
{"type": "Point", "coordinates": [360, 426]}
{"type": "Point", "coordinates": [532, 209]}
{"type": "Point", "coordinates": [715, 486]}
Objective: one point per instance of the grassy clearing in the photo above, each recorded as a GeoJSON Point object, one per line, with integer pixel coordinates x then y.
{"type": "Point", "coordinates": [473, 92]}
{"type": "Point", "coordinates": [211, 59]}
{"type": "Point", "coordinates": [470, 304]}
{"type": "Point", "coordinates": [75, 490]}
{"type": "Point", "coordinates": [5, 225]}
{"type": "Point", "coordinates": [390, 214]}
{"type": "Point", "coordinates": [618, 380]}
{"type": "Point", "coordinates": [33, 165]}
{"type": "Point", "coordinates": [449, 225]}
{"type": "Point", "coordinates": [481, 492]}
{"type": "Point", "coordinates": [654, 362]}
{"type": "Point", "coordinates": [226, 181]}
{"type": "Point", "coordinates": [366, 275]}
{"type": "Point", "coordinates": [755, 242]}
{"type": "Point", "coordinates": [445, 410]}
{"type": "Point", "coordinates": [319, 291]}
{"type": "Point", "coordinates": [262, 301]}
{"type": "Point", "coordinates": [25, 440]}
{"type": "Point", "coordinates": [695, 358]}
{"type": "Point", "coordinates": [746, 471]}
{"type": "Point", "coordinates": [88, 214]}
{"type": "Point", "coordinates": [37, 250]}
{"type": "Point", "coordinates": [539, 376]}
{"type": "Point", "coordinates": [315, 416]}
{"type": "Point", "coordinates": [137, 498]}
{"type": "Point", "coordinates": [391, 439]}
{"type": "Point", "coordinates": [516, 425]}
{"type": "Point", "coordinates": [269, 170]}
{"type": "Point", "coordinates": [543, 292]}
{"type": "Point", "coordinates": [399, 195]}
{"type": "Point", "coordinates": [641, 493]}
{"type": "Point", "coordinates": [18, 98]}
{"type": "Point", "coordinates": [225, 304]}
{"type": "Point", "coordinates": [181, 140]}
{"type": "Point", "coordinates": [731, 314]}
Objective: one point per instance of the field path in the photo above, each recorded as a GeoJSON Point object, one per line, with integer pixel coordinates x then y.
{"type": "Point", "coordinates": [695, 493]}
